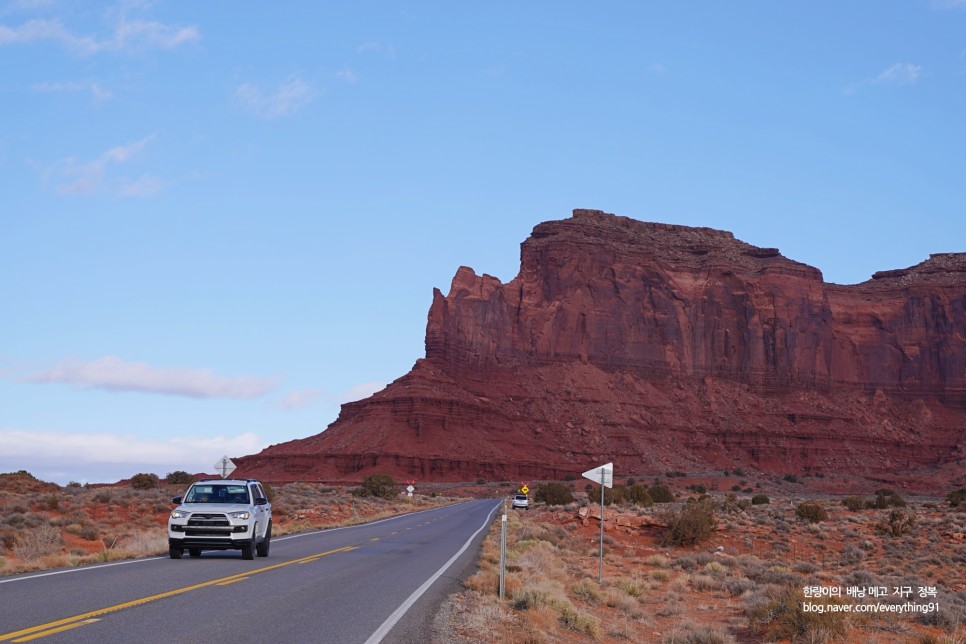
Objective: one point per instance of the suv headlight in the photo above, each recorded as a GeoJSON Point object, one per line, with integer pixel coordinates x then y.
{"type": "Point", "coordinates": [179, 514]}
{"type": "Point", "coordinates": [243, 515]}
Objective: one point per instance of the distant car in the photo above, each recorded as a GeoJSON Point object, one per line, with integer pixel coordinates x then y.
{"type": "Point", "coordinates": [221, 514]}
{"type": "Point", "coordinates": [521, 501]}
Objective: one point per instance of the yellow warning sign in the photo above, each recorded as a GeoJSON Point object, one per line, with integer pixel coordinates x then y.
{"type": "Point", "coordinates": [524, 490]}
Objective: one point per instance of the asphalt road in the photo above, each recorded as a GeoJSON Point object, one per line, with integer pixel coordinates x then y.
{"type": "Point", "coordinates": [382, 581]}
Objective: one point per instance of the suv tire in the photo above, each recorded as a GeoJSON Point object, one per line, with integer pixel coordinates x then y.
{"type": "Point", "coordinates": [262, 548]}
{"type": "Point", "coordinates": [175, 553]}
{"type": "Point", "coordinates": [248, 550]}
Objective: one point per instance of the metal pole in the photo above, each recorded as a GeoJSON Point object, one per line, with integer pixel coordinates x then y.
{"type": "Point", "coordinates": [600, 573]}
{"type": "Point", "coordinates": [503, 553]}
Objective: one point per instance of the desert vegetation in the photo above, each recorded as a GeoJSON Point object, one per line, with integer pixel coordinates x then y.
{"type": "Point", "coordinates": [43, 525]}
{"type": "Point", "coordinates": [720, 568]}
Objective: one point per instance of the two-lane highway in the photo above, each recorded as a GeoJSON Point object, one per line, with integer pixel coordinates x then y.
{"type": "Point", "coordinates": [377, 582]}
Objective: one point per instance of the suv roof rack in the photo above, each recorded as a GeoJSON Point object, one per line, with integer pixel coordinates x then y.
{"type": "Point", "coordinates": [205, 480]}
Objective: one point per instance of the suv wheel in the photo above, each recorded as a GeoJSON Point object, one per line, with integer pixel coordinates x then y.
{"type": "Point", "coordinates": [175, 553]}
{"type": "Point", "coordinates": [248, 549]}
{"type": "Point", "coordinates": [262, 548]}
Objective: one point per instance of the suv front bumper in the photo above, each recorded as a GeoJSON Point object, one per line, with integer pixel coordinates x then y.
{"type": "Point", "coordinates": [209, 531]}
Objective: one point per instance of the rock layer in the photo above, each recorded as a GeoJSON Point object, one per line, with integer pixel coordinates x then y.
{"type": "Point", "coordinates": [663, 347]}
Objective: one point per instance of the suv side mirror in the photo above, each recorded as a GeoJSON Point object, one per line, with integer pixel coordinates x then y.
{"type": "Point", "coordinates": [260, 500]}
{"type": "Point", "coordinates": [176, 499]}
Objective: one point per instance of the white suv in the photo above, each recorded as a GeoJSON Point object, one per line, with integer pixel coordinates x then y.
{"type": "Point", "coordinates": [221, 514]}
{"type": "Point", "coordinates": [520, 501]}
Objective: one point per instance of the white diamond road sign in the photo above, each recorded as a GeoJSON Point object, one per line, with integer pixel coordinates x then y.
{"type": "Point", "coordinates": [224, 467]}
{"type": "Point", "coordinates": [607, 471]}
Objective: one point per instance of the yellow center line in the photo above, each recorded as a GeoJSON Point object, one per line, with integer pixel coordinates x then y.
{"type": "Point", "coordinates": [232, 581]}
{"type": "Point", "coordinates": [56, 630]}
{"type": "Point", "coordinates": [144, 600]}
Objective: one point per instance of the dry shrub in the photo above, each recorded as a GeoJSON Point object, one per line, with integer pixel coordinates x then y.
{"type": "Point", "coordinates": [689, 633]}
{"type": "Point", "coordinates": [37, 542]}
{"type": "Point", "coordinates": [621, 630]}
{"type": "Point", "coordinates": [573, 619]}
{"type": "Point", "coordinates": [692, 524]}
{"type": "Point", "coordinates": [484, 582]}
{"type": "Point", "coordinates": [658, 561]}
{"type": "Point", "coordinates": [145, 544]}
{"type": "Point", "coordinates": [587, 591]}
{"type": "Point", "coordinates": [485, 614]}
{"type": "Point", "coordinates": [538, 623]}
{"type": "Point", "coordinates": [898, 523]}
{"type": "Point", "coordinates": [704, 582]}
{"type": "Point", "coordinates": [811, 512]}
{"type": "Point", "coordinates": [632, 586]}
{"type": "Point", "coordinates": [778, 613]}
{"type": "Point", "coordinates": [537, 558]}
{"type": "Point", "coordinates": [538, 593]}
{"type": "Point", "coordinates": [621, 602]}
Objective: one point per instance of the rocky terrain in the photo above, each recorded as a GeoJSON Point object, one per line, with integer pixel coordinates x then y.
{"type": "Point", "coordinates": [662, 347]}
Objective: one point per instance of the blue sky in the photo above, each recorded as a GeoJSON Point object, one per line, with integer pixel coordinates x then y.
{"type": "Point", "coordinates": [221, 220]}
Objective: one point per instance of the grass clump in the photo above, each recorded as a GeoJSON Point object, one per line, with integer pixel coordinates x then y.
{"type": "Point", "coordinates": [760, 499]}
{"type": "Point", "coordinates": [579, 622]}
{"type": "Point", "coordinates": [587, 591]}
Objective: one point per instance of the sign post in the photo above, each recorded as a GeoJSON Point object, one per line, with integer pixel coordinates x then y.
{"type": "Point", "coordinates": [605, 476]}
{"type": "Point", "coordinates": [503, 551]}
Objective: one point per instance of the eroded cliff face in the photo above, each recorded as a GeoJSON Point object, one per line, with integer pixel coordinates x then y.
{"type": "Point", "coordinates": [664, 347]}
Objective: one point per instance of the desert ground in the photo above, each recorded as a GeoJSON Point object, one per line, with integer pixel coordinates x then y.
{"type": "Point", "coordinates": [723, 559]}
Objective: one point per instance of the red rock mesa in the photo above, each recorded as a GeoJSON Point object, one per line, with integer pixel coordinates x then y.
{"type": "Point", "coordinates": [664, 347]}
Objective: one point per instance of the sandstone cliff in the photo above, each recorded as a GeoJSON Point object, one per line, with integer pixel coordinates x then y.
{"type": "Point", "coordinates": [664, 347]}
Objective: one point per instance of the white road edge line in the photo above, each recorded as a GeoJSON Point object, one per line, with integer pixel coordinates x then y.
{"type": "Point", "coordinates": [82, 569]}
{"type": "Point", "coordinates": [387, 625]}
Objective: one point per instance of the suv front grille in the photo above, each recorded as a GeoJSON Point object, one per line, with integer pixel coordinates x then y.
{"type": "Point", "coordinates": [215, 525]}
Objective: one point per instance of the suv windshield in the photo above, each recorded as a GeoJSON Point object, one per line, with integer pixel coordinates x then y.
{"type": "Point", "coordinates": [217, 493]}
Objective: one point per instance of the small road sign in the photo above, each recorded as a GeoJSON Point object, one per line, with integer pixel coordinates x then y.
{"type": "Point", "coordinates": [224, 467]}
{"type": "Point", "coordinates": [524, 490]}
{"type": "Point", "coordinates": [410, 489]}
{"type": "Point", "coordinates": [603, 475]}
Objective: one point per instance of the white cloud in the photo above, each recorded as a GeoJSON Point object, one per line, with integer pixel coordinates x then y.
{"type": "Point", "coordinates": [305, 397]}
{"type": "Point", "coordinates": [900, 74]}
{"type": "Point", "coordinates": [104, 457]}
{"type": "Point", "coordinates": [289, 98]}
{"type": "Point", "coordinates": [90, 178]}
{"type": "Point", "coordinates": [348, 75]}
{"type": "Point", "coordinates": [98, 93]}
{"type": "Point", "coordinates": [360, 391]}
{"type": "Point", "coordinates": [143, 187]}
{"type": "Point", "coordinates": [128, 36]}
{"type": "Point", "coordinates": [114, 374]}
